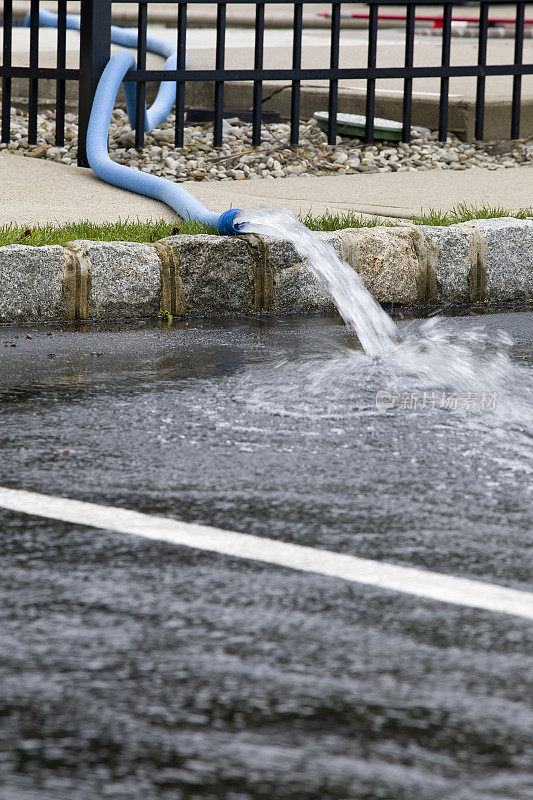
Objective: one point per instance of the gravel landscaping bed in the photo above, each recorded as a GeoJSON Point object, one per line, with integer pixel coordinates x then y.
{"type": "Point", "coordinates": [275, 158]}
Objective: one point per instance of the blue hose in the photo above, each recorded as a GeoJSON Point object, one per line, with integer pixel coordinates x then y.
{"type": "Point", "coordinates": [183, 203]}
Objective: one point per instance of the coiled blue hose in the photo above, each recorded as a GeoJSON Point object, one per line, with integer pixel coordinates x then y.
{"type": "Point", "coordinates": [175, 196]}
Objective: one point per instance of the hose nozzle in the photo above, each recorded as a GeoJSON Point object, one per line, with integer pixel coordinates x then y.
{"type": "Point", "coordinates": [226, 223]}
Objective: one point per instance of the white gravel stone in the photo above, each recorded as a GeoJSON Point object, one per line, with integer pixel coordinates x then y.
{"type": "Point", "coordinates": [237, 159]}
{"type": "Point", "coordinates": [341, 158]}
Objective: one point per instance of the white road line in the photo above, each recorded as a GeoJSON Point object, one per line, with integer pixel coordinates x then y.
{"type": "Point", "coordinates": [431, 585]}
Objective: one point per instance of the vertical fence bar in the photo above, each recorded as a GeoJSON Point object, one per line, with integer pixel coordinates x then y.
{"type": "Point", "coordinates": [140, 102]}
{"type": "Point", "coordinates": [408, 82]}
{"type": "Point", "coordinates": [371, 82]}
{"type": "Point", "coordinates": [219, 64]}
{"type": "Point", "coordinates": [257, 112]}
{"type": "Point", "coordinates": [61, 64]}
{"type": "Point", "coordinates": [445, 62]}
{"type": "Point", "coordinates": [517, 79]}
{"type": "Point", "coordinates": [7, 50]}
{"type": "Point", "coordinates": [481, 60]}
{"type": "Point", "coordinates": [333, 102]}
{"type": "Point", "coordinates": [180, 88]}
{"type": "Point", "coordinates": [33, 96]}
{"type": "Point", "coordinates": [296, 64]}
{"type": "Point", "coordinates": [95, 49]}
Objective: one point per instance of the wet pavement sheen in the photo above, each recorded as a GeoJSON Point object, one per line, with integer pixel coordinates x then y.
{"type": "Point", "coordinates": [139, 670]}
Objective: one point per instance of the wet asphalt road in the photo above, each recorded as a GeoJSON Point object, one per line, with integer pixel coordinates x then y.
{"type": "Point", "coordinates": [137, 670]}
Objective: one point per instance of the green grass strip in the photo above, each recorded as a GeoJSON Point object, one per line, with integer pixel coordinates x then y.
{"type": "Point", "coordinates": [153, 230]}
{"type": "Point", "coordinates": [121, 231]}
{"type": "Point", "coordinates": [464, 213]}
{"type": "Point", "coordinates": [346, 219]}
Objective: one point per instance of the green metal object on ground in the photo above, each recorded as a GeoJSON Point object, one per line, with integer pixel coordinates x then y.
{"type": "Point", "coordinates": [353, 125]}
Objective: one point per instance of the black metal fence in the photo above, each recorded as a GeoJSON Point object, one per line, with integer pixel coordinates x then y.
{"type": "Point", "coordinates": [95, 47]}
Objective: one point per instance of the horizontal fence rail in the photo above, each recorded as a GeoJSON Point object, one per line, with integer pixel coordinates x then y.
{"type": "Point", "coordinates": [95, 49]}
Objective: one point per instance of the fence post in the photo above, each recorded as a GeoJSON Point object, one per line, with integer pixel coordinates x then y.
{"type": "Point", "coordinates": [95, 51]}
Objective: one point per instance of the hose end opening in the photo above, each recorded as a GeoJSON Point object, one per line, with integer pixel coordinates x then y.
{"type": "Point", "coordinates": [226, 222]}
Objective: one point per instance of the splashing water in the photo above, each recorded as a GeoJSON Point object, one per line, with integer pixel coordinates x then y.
{"type": "Point", "coordinates": [428, 356]}
{"type": "Point", "coordinates": [375, 329]}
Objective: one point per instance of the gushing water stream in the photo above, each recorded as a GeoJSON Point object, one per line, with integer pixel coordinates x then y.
{"type": "Point", "coordinates": [432, 357]}
{"type": "Point", "coordinates": [375, 329]}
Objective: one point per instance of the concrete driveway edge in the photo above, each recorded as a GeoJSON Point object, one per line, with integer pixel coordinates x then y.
{"type": "Point", "coordinates": [208, 275]}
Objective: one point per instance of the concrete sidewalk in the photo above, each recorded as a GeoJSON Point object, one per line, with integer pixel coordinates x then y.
{"type": "Point", "coordinates": [34, 191]}
{"type": "Point", "coordinates": [278, 15]}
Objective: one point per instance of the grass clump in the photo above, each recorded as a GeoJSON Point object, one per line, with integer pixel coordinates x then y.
{"type": "Point", "coordinates": [121, 231]}
{"type": "Point", "coordinates": [153, 230]}
{"type": "Point", "coordinates": [338, 221]}
{"type": "Point", "coordinates": [464, 213]}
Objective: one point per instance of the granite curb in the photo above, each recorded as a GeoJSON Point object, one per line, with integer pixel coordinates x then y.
{"type": "Point", "coordinates": [413, 265]}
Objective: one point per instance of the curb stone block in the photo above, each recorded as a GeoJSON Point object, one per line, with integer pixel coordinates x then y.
{"type": "Point", "coordinates": [509, 256]}
{"type": "Point", "coordinates": [207, 275]}
{"type": "Point", "coordinates": [295, 288]}
{"type": "Point", "coordinates": [31, 283]}
{"type": "Point", "coordinates": [125, 278]}
{"type": "Point", "coordinates": [452, 252]}
{"type": "Point", "coordinates": [388, 262]}
{"type": "Point", "coordinates": [217, 273]}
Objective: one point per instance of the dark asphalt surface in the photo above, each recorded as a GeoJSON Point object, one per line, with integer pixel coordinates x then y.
{"type": "Point", "coordinates": [136, 670]}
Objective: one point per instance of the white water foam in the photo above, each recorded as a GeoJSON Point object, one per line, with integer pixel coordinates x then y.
{"type": "Point", "coordinates": [427, 356]}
